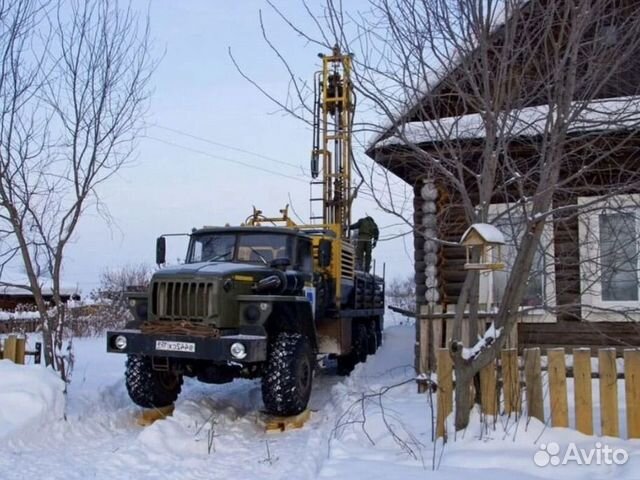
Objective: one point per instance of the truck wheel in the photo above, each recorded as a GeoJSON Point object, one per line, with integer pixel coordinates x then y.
{"type": "Point", "coordinates": [359, 340]}
{"type": "Point", "coordinates": [379, 323]}
{"type": "Point", "coordinates": [149, 388]}
{"type": "Point", "coordinates": [372, 338]}
{"type": "Point", "coordinates": [286, 383]}
{"type": "Point", "coordinates": [346, 364]}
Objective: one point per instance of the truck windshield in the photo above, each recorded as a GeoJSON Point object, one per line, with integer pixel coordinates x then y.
{"type": "Point", "coordinates": [240, 247]}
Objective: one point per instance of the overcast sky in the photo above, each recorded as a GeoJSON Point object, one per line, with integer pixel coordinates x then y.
{"type": "Point", "coordinates": [178, 181]}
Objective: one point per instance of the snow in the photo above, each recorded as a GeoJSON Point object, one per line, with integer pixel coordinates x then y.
{"type": "Point", "coordinates": [599, 115]}
{"type": "Point", "coordinates": [483, 342]}
{"type": "Point", "coordinates": [215, 433]}
{"type": "Point", "coordinates": [18, 315]}
{"type": "Point", "coordinates": [30, 398]}
{"type": "Point", "coordinates": [47, 289]}
{"type": "Point", "coordinates": [12, 278]}
{"type": "Point", "coordinates": [487, 231]}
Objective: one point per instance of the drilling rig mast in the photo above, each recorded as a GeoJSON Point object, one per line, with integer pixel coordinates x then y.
{"type": "Point", "coordinates": [332, 129]}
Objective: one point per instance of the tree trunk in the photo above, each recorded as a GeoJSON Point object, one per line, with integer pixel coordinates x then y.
{"type": "Point", "coordinates": [463, 398]}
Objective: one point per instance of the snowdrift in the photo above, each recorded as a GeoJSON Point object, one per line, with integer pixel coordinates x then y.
{"type": "Point", "coordinates": [30, 397]}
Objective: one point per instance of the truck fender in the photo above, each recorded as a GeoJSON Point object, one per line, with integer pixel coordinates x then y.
{"type": "Point", "coordinates": [293, 317]}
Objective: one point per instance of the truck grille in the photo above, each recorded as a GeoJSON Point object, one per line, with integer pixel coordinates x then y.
{"type": "Point", "coordinates": [183, 300]}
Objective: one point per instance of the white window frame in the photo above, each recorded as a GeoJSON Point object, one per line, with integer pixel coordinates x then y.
{"type": "Point", "coordinates": [590, 270]}
{"type": "Point", "coordinates": [529, 315]}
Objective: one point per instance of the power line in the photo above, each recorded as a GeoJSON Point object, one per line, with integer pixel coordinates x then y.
{"type": "Point", "coordinates": [365, 195]}
{"type": "Point", "coordinates": [225, 159]}
{"type": "Point", "coordinates": [237, 149]}
{"type": "Point", "coordinates": [224, 145]}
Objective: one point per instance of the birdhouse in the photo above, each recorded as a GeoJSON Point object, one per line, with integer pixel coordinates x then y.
{"type": "Point", "coordinates": [487, 240]}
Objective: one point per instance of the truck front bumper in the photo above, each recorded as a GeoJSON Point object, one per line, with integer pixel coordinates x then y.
{"type": "Point", "coordinates": [219, 349]}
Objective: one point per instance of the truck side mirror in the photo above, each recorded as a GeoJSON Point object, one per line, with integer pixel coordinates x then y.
{"type": "Point", "coordinates": [161, 250]}
{"type": "Point", "coordinates": [324, 253]}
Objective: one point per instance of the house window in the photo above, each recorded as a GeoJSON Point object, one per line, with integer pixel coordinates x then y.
{"type": "Point", "coordinates": [619, 256]}
{"type": "Point", "coordinates": [540, 289]}
{"type": "Point", "coordinates": [609, 257]}
{"type": "Point", "coordinates": [513, 230]}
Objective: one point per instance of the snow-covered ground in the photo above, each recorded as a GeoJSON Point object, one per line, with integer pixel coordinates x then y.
{"type": "Point", "coordinates": [214, 432]}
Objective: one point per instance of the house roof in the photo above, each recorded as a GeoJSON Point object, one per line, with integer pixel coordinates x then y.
{"type": "Point", "coordinates": [46, 290]}
{"type": "Point", "coordinates": [10, 282]}
{"type": "Point", "coordinates": [599, 115]}
{"type": "Point", "coordinates": [434, 77]}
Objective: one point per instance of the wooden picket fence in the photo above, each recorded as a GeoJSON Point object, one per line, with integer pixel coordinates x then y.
{"type": "Point", "coordinates": [507, 382]}
{"type": "Point", "coordinates": [14, 349]}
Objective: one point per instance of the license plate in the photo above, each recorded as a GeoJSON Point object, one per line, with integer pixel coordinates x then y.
{"type": "Point", "coordinates": [169, 346]}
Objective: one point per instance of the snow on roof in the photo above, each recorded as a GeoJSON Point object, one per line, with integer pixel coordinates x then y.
{"type": "Point", "coordinates": [45, 284]}
{"type": "Point", "coordinates": [46, 290]}
{"type": "Point", "coordinates": [600, 115]}
{"type": "Point", "coordinates": [488, 232]}
{"type": "Point", "coordinates": [433, 75]}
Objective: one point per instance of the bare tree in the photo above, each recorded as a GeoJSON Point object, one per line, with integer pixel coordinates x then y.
{"type": "Point", "coordinates": [491, 100]}
{"type": "Point", "coordinates": [401, 293]}
{"type": "Point", "coordinates": [73, 90]}
{"type": "Point", "coordinates": [110, 308]}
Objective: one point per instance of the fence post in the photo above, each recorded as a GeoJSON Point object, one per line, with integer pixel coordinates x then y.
{"type": "Point", "coordinates": [510, 381]}
{"type": "Point", "coordinates": [423, 349]}
{"type": "Point", "coordinates": [488, 385]}
{"type": "Point", "coordinates": [608, 392]}
{"type": "Point", "coordinates": [10, 348]}
{"type": "Point", "coordinates": [445, 390]}
{"type": "Point", "coordinates": [20, 350]}
{"type": "Point", "coordinates": [533, 381]}
{"type": "Point", "coordinates": [632, 391]}
{"type": "Point", "coordinates": [557, 369]}
{"type": "Point", "coordinates": [583, 395]}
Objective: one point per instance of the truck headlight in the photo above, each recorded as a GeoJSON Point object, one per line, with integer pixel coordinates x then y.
{"type": "Point", "coordinates": [238, 351]}
{"type": "Point", "coordinates": [120, 342]}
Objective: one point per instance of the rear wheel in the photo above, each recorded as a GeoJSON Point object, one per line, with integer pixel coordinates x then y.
{"type": "Point", "coordinates": [149, 388]}
{"type": "Point", "coordinates": [379, 326]}
{"type": "Point", "coordinates": [359, 342]}
{"type": "Point", "coordinates": [287, 380]}
{"type": "Point", "coordinates": [372, 338]}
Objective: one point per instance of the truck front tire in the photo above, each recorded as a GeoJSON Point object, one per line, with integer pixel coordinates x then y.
{"type": "Point", "coordinates": [149, 388]}
{"type": "Point", "coordinates": [288, 376]}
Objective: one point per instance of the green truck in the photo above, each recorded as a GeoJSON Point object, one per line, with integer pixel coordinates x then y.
{"type": "Point", "coordinates": [251, 302]}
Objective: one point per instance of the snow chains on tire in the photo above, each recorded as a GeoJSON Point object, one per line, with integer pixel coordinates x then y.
{"type": "Point", "coordinates": [288, 376]}
{"type": "Point", "coordinates": [149, 388]}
